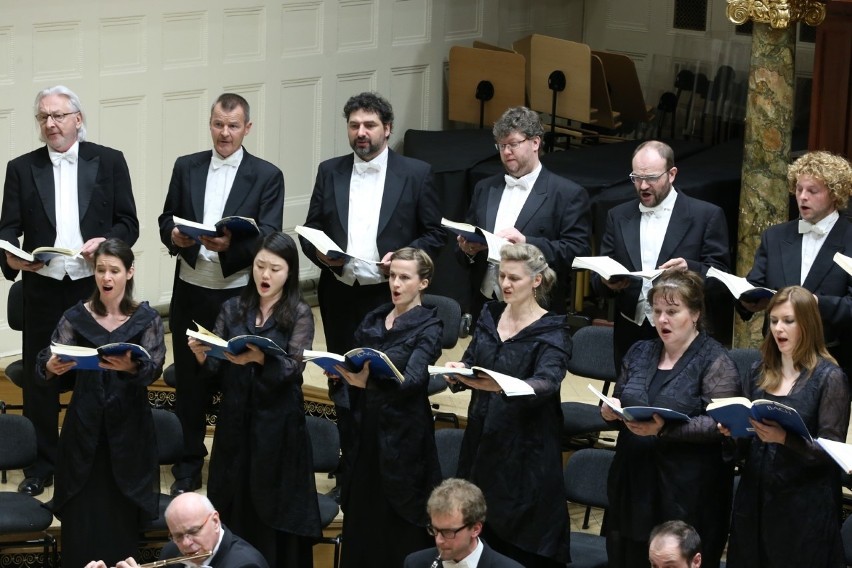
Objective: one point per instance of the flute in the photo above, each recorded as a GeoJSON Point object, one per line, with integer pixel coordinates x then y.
{"type": "Point", "coordinates": [176, 560]}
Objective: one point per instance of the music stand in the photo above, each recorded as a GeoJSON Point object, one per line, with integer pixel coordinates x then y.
{"type": "Point", "coordinates": [472, 71]}
{"type": "Point", "coordinates": [548, 59]}
{"type": "Point", "coordinates": [625, 89]}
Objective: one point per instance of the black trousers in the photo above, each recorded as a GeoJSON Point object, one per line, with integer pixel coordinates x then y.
{"type": "Point", "coordinates": [192, 303]}
{"type": "Point", "coordinates": [45, 300]}
{"type": "Point", "coordinates": [625, 334]}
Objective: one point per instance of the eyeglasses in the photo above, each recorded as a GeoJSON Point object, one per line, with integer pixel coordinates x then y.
{"type": "Point", "coordinates": [448, 534]}
{"type": "Point", "coordinates": [512, 146]}
{"type": "Point", "coordinates": [58, 117]}
{"type": "Point", "coordinates": [191, 533]}
{"type": "Point", "coordinates": [649, 179]}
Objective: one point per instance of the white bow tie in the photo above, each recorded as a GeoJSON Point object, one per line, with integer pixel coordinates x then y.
{"type": "Point", "coordinates": [57, 157]}
{"type": "Point", "coordinates": [808, 227]}
{"type": "Point", "coordinates": [655, 211]}
{"type": "Point", "coordinates": [364, 167]}
{"type": "Point", "coordinates": [216, 162]}
{"type": "Point", "coordinates": [512, 182]}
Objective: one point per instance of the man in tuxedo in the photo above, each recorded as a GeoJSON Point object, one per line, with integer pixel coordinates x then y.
{"type": "Point", "coordinates": [456, 511]}
{"type": "Point", "coordinates": [665, 229]}
{"type": "Point", "coordinates": [370, 203]}
{"type": "Point", "coordinates": [674, 544]}
{"type": "Point", "coordinates": [206, 187]}
{"type": "Point", "coordinates": [71, 194]}
{"type": "Point", "coordinates": [195, 528]}
{"type": "Point", "coordinates": [801, 252]}
{"type": "Point", "coordinates": [529, 204]}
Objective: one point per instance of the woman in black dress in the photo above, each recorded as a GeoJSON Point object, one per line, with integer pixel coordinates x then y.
{"type": "Point", "coordinates": [261, 471]}
{"type": "Point", "coordinates": [391, 442]}
{"type": "Point", "coordinates": [788, 504]}
{"type": "Point", "coordinates": [670, 470]}
{"type": "Point", "coordinates": [511, 447]}
{"type": "Point", "coordinates": [107, 478]}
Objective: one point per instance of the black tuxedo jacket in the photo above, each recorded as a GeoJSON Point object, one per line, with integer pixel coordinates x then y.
{"type": "Point", "coordinates": [104, 192]}
{"type": "Point", "coordinates": [778, 263]}
{"type": "Point", "coordinates": [697, 232]}
{"type": "Point", "coordinates": [233, 552]}
{"type": "Point", "coordinates": [555, 218]}
{"type": "Point", "coordinates": [489, 559]}
{"type": "Point", "coordinates": [257, 193]}
{"type": "Point", "coordinates": [409, 214]}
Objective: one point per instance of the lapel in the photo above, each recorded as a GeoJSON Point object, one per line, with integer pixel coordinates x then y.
{"type": "Point", "coordinates": [224, 548]}
{"type": "Point", "coordinates": [392, 192]}
{"type": "Point", "coordinates": [630, 236]}
{"type": "Point", "coordinates": [341, 178]}
{"type": "Point", "coordinates": [536, 198]}
{"type": "Point", "coordinates": [243, 182]}
{"type": "Point", "coordinates": [824, 261]}
{"type": "Point", "coordinates": [791, 254]}
{"type": "Point", "coordinates": [42, 170]}
{"type": "Point", "coordinates": [495, 193]}
{"type": "Point", "coordinates": [679, 223]}
{"type": "Point", "coordinates": [198, 184]}
{"type": "Point", "coordinates": [87, 174]}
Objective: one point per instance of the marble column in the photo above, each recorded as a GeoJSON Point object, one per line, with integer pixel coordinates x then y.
{"type": "Point", "coordinates": [768, 133]}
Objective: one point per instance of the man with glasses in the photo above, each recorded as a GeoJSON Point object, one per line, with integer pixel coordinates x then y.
{"type": "Point", "coordinates": [527, 204]}
{"type": "Point", "coordinates": [195, 529]}
{"type": "Point", "coordinates": [70, 194]}
{"type": "Point", "coordinates": [665, 229]}
{"type": "Point", "coordinates": [456, 511]}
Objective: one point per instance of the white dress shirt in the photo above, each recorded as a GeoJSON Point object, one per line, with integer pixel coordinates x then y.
{"type": "Point", "coordinates": [813, 238]}
{"type": "Point", "coordinates": [208, 271]}
{"type": "Point", "coordinates": [512, 200]}
{"type": "Point", "coordinates": [469, 561]}
{"type": "Point", "coordinates": [652, 232]}
{"type": "Point", "coordinates": [366, 189]}
{"type": "Point", "coordinates": [67, 210]}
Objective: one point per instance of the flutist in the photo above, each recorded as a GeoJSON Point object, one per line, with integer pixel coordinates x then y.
{"type": "Point", "coordinates": [194, 527]}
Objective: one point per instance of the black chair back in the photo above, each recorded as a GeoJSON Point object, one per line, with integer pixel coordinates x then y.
{"type": "Point", "coordinates": [449, 312]}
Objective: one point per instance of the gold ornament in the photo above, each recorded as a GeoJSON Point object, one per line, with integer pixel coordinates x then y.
{"type": "Point", "coordinates": [777, 13]}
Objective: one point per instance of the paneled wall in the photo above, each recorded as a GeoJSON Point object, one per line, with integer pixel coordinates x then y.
{"type": "Point", "coordinates": [147, 73]}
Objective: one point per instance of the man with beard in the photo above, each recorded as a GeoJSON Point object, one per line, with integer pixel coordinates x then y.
{"type": "Point", "coordinates": [370, 203]}
{"type": "Point", "coordinates": [667, 230]}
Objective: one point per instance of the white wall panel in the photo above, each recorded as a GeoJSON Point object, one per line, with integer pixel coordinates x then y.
{"type": "Point", "coordinates": [357, 27]}
{"type": "Point", "coordinates": [57, 51]}
{"type": "Point", "coordinates": [244, 35]}
{"type": "Point", "coordinates": [410, 88]}
{"type": "Point", "coordinates": [185, 39]}
{"type": "Point", "coordinates": [123, 45]}
{"type": "Point", "coordinates": [412, 22]}
{"type": "Point", "coordinates": [124, 125]}
{"type": "Point", "coordinates": [7, 55]}
{"type": "Point", "coordinates": [463, 19]}
{"type": "Point", "coordinates": [302, 26]}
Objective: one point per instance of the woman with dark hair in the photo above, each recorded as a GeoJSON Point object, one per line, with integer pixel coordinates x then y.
{"type": "Point", "coordinates": [261, 472]}
{"type": "Point", "coordinates": [786, 478]}
{"type": "Point", "coordinates": [666, 470]}
{"type": "Point", "coordinates": [107, 476]}
{"type": "Point", "coordinates": [511, 448]}
{"type": "Point", "coordinates": [389, 441]}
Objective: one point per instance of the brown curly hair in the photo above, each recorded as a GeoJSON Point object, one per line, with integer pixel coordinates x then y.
{"type": "Point", "coordinates": [834, 171]}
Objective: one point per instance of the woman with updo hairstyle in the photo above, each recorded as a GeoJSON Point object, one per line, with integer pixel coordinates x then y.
{"type": "Point", "coordinates": [387, 435]}
{"type": "Point", "coordinates": [787, 511]}
{"type": "Point", "coordinates": [666, 469]}
{"type": "Point", "coordinates": [511, 447]}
